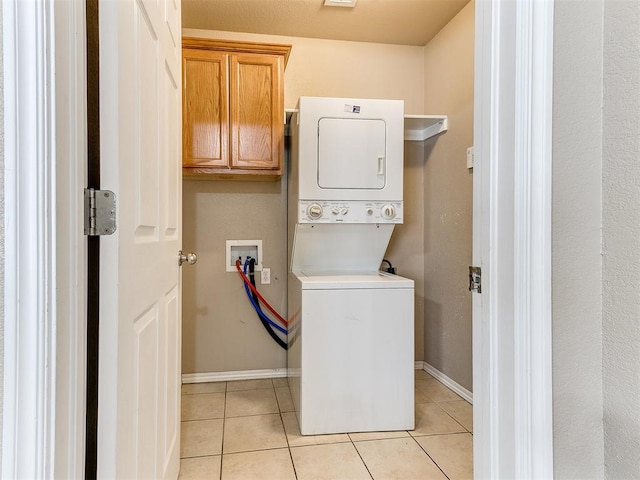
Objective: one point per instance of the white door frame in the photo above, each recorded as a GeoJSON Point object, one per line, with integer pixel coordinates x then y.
{"type": "Point", "coordinates": [29, 243]}
{"type": "Point", "coordinates": [44, 248]}
{"type": "Point", "coordinates": [513, 430]}
{"type": "Point", "coordinates": [44, 255]}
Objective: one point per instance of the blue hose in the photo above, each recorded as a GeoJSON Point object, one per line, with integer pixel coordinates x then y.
{"type": "Point", "coordinates": [257, 306]}
{"type": "Point", "coordinates": [261, 313]}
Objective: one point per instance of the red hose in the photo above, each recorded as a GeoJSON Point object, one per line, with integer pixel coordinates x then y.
{"type": "Point", "coordinates": [253, 289]}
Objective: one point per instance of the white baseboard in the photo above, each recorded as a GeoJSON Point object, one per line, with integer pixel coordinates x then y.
{"type": "Point", "coordinates": [237, 375]}
{"type": "Point", "coordinates": [282, 373]}
{"type": "Point", "coordinates": [447, 382]}
{"type": "Point", "coordinates": [248, 374]}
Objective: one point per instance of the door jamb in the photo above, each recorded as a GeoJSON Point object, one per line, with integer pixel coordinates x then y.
{"type": "Point", "coordinates": [71, 254]}
{"type": "Point", "coordinates": [513, 430]}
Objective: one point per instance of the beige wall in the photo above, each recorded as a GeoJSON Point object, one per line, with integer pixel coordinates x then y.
{"type": "Point", "coordinates": [621, 239]}
{"type": "Point", "coordinates": [406, 249]}
{"type": "Point", "coordinates": [220, 331]}
{"type": "Point", "coordinates": [596, 239]}
{"type": "Point", "coordinates": [576, 247]}
{"type": "Point", "coordinates": [331, 68]}
{"type": "Point", "coordinates": [448, 188]}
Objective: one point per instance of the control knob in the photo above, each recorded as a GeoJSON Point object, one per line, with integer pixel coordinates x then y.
{"type": "Point", "coordinates": [314, 211]}
{"type": "Point", "coordinates": [388, 212]}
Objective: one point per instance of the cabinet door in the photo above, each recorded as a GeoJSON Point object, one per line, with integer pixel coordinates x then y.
{"type": "Point", "coordinates": [205, 108]}
{"type": "Point", "coordinates": [257, 116]}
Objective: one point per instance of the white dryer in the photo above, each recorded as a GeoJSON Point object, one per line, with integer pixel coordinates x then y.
{"type": "Point", "coordinates": [349, 149]}
{"type": "Point", "coordinates": [351, 327]}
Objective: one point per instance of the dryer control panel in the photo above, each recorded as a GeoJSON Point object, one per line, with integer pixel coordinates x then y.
{"type": "Point", "coordinates": [353, 211]}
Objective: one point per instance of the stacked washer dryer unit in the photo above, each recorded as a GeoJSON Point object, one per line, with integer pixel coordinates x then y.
{"type": "Point", "coordinates": [351, 344]}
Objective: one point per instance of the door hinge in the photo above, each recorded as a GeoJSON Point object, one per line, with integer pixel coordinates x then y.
{"type": "Point", "coordinates": [475, 279]}
{"type": "Point", "coordinates": [99, 212]}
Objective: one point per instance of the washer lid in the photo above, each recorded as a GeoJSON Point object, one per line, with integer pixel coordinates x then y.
{"type": "Point", "coordinates": [347, 281]}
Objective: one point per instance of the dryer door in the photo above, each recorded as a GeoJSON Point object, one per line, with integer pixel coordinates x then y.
{"type": "Point", "coordinates": [352, 153]}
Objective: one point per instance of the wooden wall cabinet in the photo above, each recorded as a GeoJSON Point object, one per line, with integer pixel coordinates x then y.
{"type": "Point", "coordinates": [233, 109]}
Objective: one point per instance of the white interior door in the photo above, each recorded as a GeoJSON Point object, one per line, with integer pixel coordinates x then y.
{"type": "Point", "coordinates": [140, 322]}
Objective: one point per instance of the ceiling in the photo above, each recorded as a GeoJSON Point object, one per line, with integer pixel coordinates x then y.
{"type": "Point", "coordinates": [401, 22]}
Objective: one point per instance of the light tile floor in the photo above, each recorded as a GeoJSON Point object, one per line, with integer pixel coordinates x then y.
{"type": "Point", "coordinates": [248, 430]}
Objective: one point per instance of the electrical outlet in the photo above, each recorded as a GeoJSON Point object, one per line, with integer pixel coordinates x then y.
{"type": "Point", "coordinates": [470, 157]}
{"type": "Point", "coordinates": [265, 276]}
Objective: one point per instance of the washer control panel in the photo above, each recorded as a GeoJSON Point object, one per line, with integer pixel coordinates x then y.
{"type": "Point", "coordinates": [353, 211]}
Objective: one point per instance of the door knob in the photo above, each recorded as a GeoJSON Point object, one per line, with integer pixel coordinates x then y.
{"type": "Point", "coordinates": [190, 258]}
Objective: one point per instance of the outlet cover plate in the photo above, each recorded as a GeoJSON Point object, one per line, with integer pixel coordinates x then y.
{"type": "Point", "coordinates": [265, 277]}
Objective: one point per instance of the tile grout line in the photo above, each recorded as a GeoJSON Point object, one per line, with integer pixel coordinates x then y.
{"type": "Point", "coordinates": [286, 437]}
{"type": "Point", "coordinates": [254, 415]}
{"type": "Point", "coordinates": [295, 472]}
{"type": "Point", "coordinates": [430, 457]}
{"type": "Point", "coordinates": [224, 421]}
{"type": "Point", "coordinates": [455, 420]}
{"type": "Point", "coordinates": [360, 456]}
{"type": "Point", "coordinates": [440, 434]}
